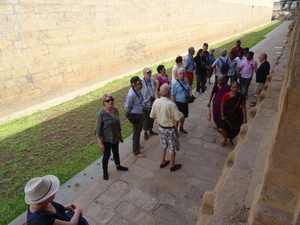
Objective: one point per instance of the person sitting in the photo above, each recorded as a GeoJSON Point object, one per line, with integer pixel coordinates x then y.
{"type": "Point", "coordinates": [42, 210]}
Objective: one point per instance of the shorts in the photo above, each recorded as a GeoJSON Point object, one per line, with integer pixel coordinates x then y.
{"type": "Point", "coordinates": [169, 138]}
{"type": "Point", "coordinates": [259, 87]}
{"type": "Point", "coordinates": [184, 108]}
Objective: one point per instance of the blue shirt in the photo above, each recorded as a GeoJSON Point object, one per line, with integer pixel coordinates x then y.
{"type": "Point", "coordinates": [189, 64]}
{"type": "Point", "coordinates": [178, 92]}
{"type": "Point", "coordinates": [212, 59]}
{"type": "Point", "coordinates": [133, 102]}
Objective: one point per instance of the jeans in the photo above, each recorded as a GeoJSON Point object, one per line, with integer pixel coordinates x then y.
{"type": "Point", "coordinates": [115, 150]}
{"type": "Point", "coordinates": [245, 83]}
{"type": "Point", "coordinates": [232, 79]}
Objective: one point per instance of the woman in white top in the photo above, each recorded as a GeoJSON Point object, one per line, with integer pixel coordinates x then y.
{"type": "Point", "coordinates": [178, 61]}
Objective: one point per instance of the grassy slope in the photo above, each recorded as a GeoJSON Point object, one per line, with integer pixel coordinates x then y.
{"type": "Point", "coordinates": [60, 140]}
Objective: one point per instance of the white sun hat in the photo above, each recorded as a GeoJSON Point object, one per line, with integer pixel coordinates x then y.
{"type": "Point", "coordinates": [39, 189]}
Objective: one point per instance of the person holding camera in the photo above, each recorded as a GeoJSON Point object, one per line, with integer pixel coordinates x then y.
{"type": "Point", "coordinates": [180, 93]}
{"type": "Point", "coordinates": [148, 92]}
{"type": "Point", "coordinates": [135, 108]}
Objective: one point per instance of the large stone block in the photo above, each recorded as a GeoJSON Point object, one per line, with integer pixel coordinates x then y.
{"type": "Point", "coordinates": [6, 9]}
{"type": "Point", "coordinates": [117, 41]}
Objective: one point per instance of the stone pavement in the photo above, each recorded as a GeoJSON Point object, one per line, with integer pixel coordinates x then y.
{"type": "Point", "coordinates": [147, 194]}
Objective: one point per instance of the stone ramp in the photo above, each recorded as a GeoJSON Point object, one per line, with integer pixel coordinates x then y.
{"type": "Point", "coordinates": [147, 194]}
{"type": "Point", "coordinates": [231, 200]}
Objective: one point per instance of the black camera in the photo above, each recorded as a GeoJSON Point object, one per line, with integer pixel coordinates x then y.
{"type": "Point", "coordinates": [146, 109]}
{"type": "Point", "coordinates": [152, 99]}
{"type": "Point", "coordinates": [191, 97]}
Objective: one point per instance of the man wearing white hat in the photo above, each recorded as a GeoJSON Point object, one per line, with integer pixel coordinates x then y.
{"type": "Point", "coordinates": [39, 195]}
{"type": "Point", "coordinates": [148, 92]}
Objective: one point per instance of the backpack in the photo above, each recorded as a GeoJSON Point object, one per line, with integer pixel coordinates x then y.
{"type": "Point", "coordinates": [225, 66]}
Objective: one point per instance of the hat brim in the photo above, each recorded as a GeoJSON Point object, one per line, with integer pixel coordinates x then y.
{"type": "Point", "coordinates": [54, 188]}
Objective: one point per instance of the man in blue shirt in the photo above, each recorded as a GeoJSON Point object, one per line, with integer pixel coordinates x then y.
{"type": "Point", "coordinates": [190, 65]}
{"type": "Point", "coordinates": [179, 93]}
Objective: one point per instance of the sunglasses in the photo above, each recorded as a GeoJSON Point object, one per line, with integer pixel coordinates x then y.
{"type": "Point", "coordinates": [109, 100]}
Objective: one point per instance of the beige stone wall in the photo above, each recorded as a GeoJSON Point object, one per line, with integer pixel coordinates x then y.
{"type": "Point", "coordinates": [51, 47]}
{"type": "Point", "coordinates": [260, 184]}
{"type": "Point", "coordinates": [278, 198]}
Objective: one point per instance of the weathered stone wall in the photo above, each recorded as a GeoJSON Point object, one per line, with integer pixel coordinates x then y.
{"type": "Point", "coordinates": [51, 47]}
{"type": "Point", "coordinates": [260, 182]}
{"type": "Point", "coordinates": [278, 197]}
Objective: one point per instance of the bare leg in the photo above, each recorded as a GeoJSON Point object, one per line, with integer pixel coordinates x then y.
{"type": "Point", "coordinates": [163, 155]}
{"type": "Point", "coordinates": [224, 134]}
{"type": "Point", "coordinates": [257, 97]}
{"type": "Point", "coordinates": [172, 158]}
{"type": "Point", "coordinates": [182, 122]}
{"type": "Point", "coordinates": [230, 142]}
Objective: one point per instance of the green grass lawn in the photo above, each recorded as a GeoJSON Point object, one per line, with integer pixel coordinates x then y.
{"type": "Point", "coordinates": [61, 141]}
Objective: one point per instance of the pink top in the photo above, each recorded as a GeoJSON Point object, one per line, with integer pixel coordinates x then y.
{"type": "Point", "coordinates": [248, 68]}
{"type": "Point", "coordinates": [162, 81]}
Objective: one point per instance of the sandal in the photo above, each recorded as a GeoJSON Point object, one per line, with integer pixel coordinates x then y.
{"type": "Point", "coordinates": [164, 164]}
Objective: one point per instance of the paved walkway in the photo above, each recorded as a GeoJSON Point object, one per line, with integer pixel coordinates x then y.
{"type": "Point", "coordinates": [147, 194]}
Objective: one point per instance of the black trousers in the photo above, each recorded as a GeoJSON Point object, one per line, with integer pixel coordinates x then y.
{"type": "Point", "coordinates": [201, 82]}
{"type": "Point", "coordinates": [115, 150]}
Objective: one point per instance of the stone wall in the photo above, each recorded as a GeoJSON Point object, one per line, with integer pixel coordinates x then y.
{"type": "Point", "coordinates": [52, 47]}
{"type": "Point", "coordinates": [260, 184]}
{"type": "Point", "coordinates": [277, 200]}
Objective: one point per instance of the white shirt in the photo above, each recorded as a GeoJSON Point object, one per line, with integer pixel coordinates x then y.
{"type": "Point", "coordinates": [174, 71]}
{"type": "Point", "coordinates": [238, 60]}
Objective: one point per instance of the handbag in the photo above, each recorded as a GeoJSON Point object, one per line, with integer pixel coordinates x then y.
{"type": "Point", "coordinates": [190, 98]}
{"type": "Point", "coordinates": [208, 115]}
{"type": "Point", "coordinates": [133, 117]}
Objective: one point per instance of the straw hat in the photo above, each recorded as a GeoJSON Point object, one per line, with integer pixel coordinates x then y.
{"type": "Point", "coordinates": [39, 189]}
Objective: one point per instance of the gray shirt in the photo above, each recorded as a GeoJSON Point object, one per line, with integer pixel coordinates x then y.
{"type": "Point", "coordinates": [232, 65]}
{"type": "Point", "coordinates": [134, 101]}
{"type": "Point", "coordinates": [108, 127]}
{"type": "Point", "coordinates": [218, 64]}
{"type": "Point", "coordinates": [148, 91]}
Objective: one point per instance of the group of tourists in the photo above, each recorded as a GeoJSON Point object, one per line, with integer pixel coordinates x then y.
{"type": "Point", "coordinates": [167, 101]}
